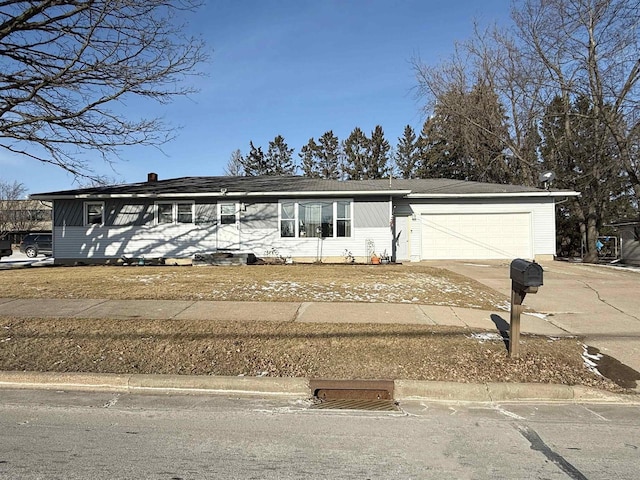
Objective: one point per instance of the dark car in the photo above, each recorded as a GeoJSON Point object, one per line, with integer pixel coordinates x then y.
{"type": "Point", "coordinates": [35, 243]}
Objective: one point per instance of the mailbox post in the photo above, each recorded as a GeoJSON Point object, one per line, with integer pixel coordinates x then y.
{"type": "Point", "coordinates": [526, 277]}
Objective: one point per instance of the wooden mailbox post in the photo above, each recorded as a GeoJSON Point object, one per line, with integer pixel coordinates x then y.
{"type": "Point", "coordinates": [526, 277]}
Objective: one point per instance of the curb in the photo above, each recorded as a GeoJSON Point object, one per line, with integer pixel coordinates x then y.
{"type": "Point", "coordinates": [158, 384]}
{"type": "Point", "coordinates": [404, 390]}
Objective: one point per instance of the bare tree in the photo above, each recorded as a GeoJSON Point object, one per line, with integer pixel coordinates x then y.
{"type": "Point", "coordinates": [569, 50]}
{"type": "Point", "coordinates": [10, 216]}
{"type": "Point", "coordinates": [485, 69]}
{"type": "Point", "coordinates": [69, 67]}
{"type": "Point", "coordinates": [234, 165]}
{"type": "Point", "coordinates": [588, 50]}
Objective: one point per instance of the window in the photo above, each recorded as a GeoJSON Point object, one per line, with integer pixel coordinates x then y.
{"type": "Point", "coordinates": [343, 219]}
{"type": "Point", "coordinates": [174, 212]}
{"type": "Point", "coordinates": [288, 219]}
{"type": "Point", "coordinates": [93, 213]}
{"type": "Point", "coordinates": [227, 213]}
{"type": "Point", "coordinates": [185, 213]}
{"type": "Point", "coordinates": [315, 219]}
{"type": "Point", "coordinates": [165, 212]}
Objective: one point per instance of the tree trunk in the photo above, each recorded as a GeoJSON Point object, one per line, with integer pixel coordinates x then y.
{"type": "Point", "coordinates": [591, 249]}
{"type": "Point", "coordinates": [588, 230]}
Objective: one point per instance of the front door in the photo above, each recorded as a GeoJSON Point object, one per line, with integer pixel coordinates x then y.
{"type": "Point", "coordinates": [401, 238]}
{"type": "Point", "coordinates": [228, 232]}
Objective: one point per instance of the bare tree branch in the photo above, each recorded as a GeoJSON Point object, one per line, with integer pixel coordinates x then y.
{"type": "Point", "coordinates": [69, 68]}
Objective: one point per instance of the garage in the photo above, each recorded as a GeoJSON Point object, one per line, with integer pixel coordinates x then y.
{"type": "Point", "coordinates": [476, 236]}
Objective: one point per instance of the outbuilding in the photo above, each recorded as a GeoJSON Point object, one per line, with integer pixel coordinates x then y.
{"type": "Point", "coordinates": [629, 233]}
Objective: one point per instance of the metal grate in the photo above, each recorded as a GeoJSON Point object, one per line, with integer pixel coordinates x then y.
{"type": "Point", "coordinates": [374, 395]}
{"type": "Point", "coordinates": [357, 404]}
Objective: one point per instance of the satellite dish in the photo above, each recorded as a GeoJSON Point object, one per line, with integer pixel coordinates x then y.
{"type": "Point", "coordinates": [546, 177]}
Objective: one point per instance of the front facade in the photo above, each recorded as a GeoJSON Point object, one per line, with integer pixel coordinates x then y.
{"type": "Point", "coordinates": [20, 217]}
{"type": "Point", "coordinates": [303, 219]}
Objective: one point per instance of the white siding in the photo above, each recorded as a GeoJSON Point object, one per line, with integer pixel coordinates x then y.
{"type": "Point", "coordinates": [178, 241]}
{"type": "Point", "coordinates": [182, 241]}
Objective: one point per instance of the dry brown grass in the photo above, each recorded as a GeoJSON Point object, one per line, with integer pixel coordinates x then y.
{"type": "Point", "coordinates": [272, 283]}
{"type": "Point", "coordinates": [338, 351]}
{"type": "Point", "coordinates": [274, 349]}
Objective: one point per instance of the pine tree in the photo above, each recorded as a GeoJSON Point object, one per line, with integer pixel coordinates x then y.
{"type": "Point", "coordinates": [463, 138]}
{"type": "Point", "coordinates": [309, 156]}
{"type": "Point", "coordinates": [329, 154]}
{"type": "Point", "coordinates": [406, 156]}
{"type": "Point", "coordinates": [378, 158]}
{"type": "Point", "coordinates": [279, 158]}
{"type": "Point", "coordinates": [322, 159]}
{"type": "Point", "coordinates": [356, 151]}
{"type": "Point", "coordinates": [254, 163]}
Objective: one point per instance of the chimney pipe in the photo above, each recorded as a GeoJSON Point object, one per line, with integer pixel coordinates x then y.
{"type": "Point", "coordinates": [152, 177]}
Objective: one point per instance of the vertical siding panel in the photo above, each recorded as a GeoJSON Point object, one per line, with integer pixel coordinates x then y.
{"type": "Point", "coordinates": [68, 212]}
{"type": "Point", "coordinates": [371, 214]}
{"type": "Point", "coordinates": [260, 216]}
{"type": "Point", "coordinates": [128, 212]}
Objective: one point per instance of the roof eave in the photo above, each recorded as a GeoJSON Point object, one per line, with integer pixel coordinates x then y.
{"type": "Point", "coordinates": [495, 194]}
{"type": "Point", "coordinates": [320, 193]}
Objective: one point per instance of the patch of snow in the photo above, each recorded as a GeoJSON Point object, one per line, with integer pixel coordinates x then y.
{"type": "Point", "coordinates": [485, 337]}
{"type": "Point", "coordinates": [509, 414]}
{"type": "Point", "coordinates": [589, 362]}
{"type": "Point", "coordinates": [506, 306]}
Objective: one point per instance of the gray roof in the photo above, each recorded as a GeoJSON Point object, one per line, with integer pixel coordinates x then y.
{"type": "Point", "coordinates": [273, 185]}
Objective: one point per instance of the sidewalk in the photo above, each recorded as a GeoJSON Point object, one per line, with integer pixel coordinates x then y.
{"type": "Point", "coordinates": [304, 312]}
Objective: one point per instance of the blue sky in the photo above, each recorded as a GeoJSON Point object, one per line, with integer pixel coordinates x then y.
{"type": "Point", "coordinates": [295, 68]}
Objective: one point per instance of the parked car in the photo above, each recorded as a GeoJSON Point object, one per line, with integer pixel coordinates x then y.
{"type": "Point", "coordinates": [36, 243]}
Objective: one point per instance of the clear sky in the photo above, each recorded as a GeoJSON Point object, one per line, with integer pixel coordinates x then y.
{"type": "Point", "coordinates": [295, 68]}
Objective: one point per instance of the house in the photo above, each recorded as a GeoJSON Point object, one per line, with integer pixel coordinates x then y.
{"type": "Point", "coordinates": [629, 231]}
{"type": "Point", "coordinates": [304, 219]}
{"type": "Point", "coordinates": [20, 217]}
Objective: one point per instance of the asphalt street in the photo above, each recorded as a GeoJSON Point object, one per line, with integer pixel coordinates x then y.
{"type": "Point", "coordinates": [105, 435]}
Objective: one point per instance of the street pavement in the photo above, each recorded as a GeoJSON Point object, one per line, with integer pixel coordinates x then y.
{"type": "Point", "coordinates": [597, 302]}
{"type": "Point", "coordinates": [95, 435]}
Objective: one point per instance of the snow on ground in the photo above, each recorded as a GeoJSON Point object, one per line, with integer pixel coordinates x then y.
{"type": "Point", "coordinates": [590, 361]}
{"type": "Point", "coordinates": [485, 337]}
{"type": "Point", "coordinates": [410, 288]}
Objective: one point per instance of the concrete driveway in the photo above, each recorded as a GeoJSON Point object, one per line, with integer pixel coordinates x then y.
{"type": "Point", "coordinates": [20, 260]}
{"type": "Point", "coordinates": [598, 302]}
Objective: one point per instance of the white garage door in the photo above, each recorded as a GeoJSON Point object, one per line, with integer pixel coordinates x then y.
{"type": "Point", "coordinates": [476, 236]}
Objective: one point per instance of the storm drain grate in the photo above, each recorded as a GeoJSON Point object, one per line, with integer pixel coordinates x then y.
{"type": "Point", "coordinates": [353, 395]}
{"type": "Point", "coordinates": [351, 404]}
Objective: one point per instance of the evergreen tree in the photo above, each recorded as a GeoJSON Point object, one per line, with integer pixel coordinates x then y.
{"type": "Point", "coordinates": [378, 158]}
{"type": "Point", "coordinates": [462, 140]}
{"type": "Point", "coordinates": [356, 151]}
{"type": "Point", "coordinates": [407, 154]}
{"type": "Point", "coordinates": [309, 156]}
{"type": "Point", "coordinates": [582, 152]}
{"type": "Point", "coordinates": [437, 156]}
{"type": "Point", "coordinates": [254, 164]}
{"type": "Point", "coordinates": [279, 158]}
{"type": "Point", "coordinates": [329, 154]}
{"type": "Point", "coordinates": [322, 159]}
